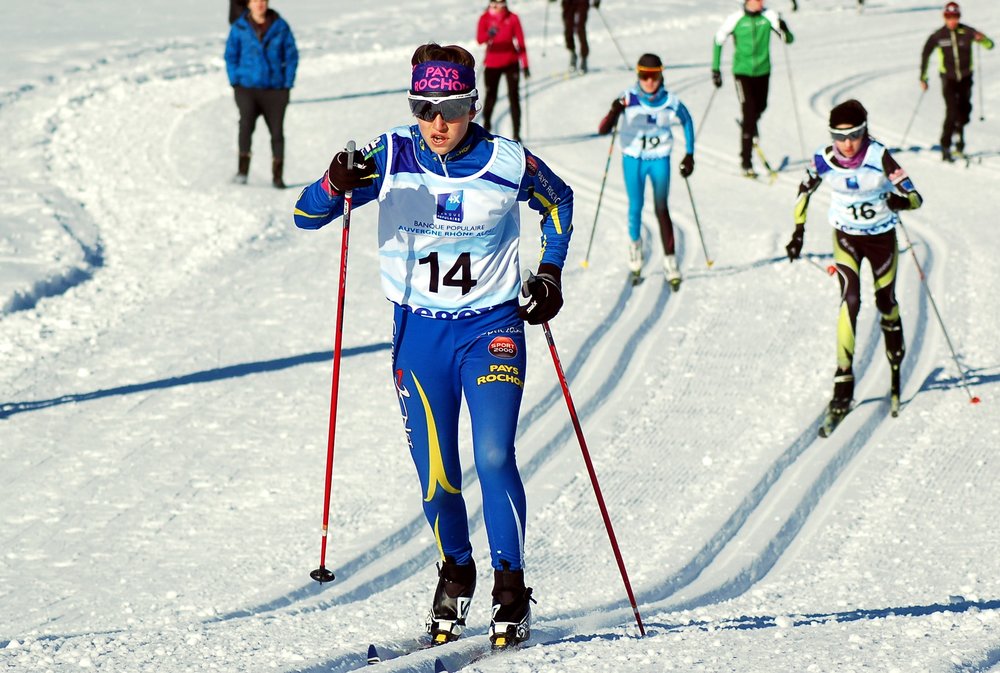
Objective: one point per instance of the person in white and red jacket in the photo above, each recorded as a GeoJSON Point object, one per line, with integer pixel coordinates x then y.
{"type": "Point", "coordinates": [506, 54]}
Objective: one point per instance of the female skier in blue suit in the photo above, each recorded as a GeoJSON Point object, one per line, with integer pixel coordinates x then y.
{"type": "Point", "coordinates": [648, 111]}
{"type": "Point", "coordinates": [449, 226]}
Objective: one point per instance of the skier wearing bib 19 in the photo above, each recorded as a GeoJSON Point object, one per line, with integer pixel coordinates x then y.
{"type": "Point", "coordinates": [869, 187]}
{"type": "Point", "coordinates": [647, 111]}
{"type": "Point", "coordinates": [448, 232]}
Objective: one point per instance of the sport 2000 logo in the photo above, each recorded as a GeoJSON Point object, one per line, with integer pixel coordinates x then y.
{"type": "Point", "coordinates": [503, 347]}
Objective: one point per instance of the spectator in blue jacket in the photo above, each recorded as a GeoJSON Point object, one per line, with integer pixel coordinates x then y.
{"type": "Point", "coordinates": [261, 59]}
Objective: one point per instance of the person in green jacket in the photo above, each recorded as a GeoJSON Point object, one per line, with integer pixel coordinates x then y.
{"type": "Point", "coordinates": [751, 29]}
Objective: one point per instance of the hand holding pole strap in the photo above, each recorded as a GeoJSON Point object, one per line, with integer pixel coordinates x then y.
{"type": "Point", "coordinates": [322, 574]}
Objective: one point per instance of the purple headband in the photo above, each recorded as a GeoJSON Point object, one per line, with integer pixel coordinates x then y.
{"type": "Point", "coordinates": [442, 77]}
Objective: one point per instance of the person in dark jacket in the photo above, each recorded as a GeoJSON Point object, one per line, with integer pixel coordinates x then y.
{"type": "Point", "coordinates": [500, 29]}
{"type": "Point", "coordinates": [953, 42]}
{"type": "Point", "coordinates": [236, 9]}
{"type": "Point", "coordinates": [261, 60]}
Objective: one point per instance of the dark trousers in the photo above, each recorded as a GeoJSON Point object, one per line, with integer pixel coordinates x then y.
{"type": "Point", "coordinates": [575, 24]}
{"type": "Point", "coordinates": [752, 94]}
{"type": "Point", "coordinates": [253, 103]}
{"type": "Point", "coordinates": [882, 253]}
{"type": "Point", "coordinates": [492, 78]}
{"type": "Point", "coordinates": [957, 109]}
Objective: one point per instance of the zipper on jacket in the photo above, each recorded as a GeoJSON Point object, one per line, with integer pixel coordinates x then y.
{"type": "Point", "coordinates": [954, 54]}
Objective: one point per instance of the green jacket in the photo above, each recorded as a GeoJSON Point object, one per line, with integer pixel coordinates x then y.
{"type": "Point", "coordinates": [752, 39]}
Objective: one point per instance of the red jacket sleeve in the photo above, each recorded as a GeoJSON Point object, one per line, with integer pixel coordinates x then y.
{"type": "Point", "coordinates": [482, 34]}
{"type": "Point", "coordinates": [522, 48]}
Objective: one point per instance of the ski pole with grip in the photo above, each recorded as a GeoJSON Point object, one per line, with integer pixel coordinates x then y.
{"type": "Point", "coordinates": [923, 279]}
{"type": "Point", "coordinates": [600, 196]}
{"type": "Point", "coordinates": [323, 574]}
{"type": "Point", "coordinates": [708, 260]}
{"type": "Point", "coordinates": [590, 465]}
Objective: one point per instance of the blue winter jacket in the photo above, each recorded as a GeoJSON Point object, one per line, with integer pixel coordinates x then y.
{"type": "Point", "coordinates": [261, 64]}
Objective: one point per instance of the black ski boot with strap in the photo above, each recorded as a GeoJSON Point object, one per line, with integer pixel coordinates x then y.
{"type": "Point", "coordinates": [511, 621]}
{"type": "Point", "coordinates": [840, 405]}
{"type": "Point", "coordinates": [452, 598]}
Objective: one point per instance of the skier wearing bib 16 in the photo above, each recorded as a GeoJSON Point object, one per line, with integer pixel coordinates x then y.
{"type": "Point", "coordinates": [647, 111]}
{"type": "Point", "coordinates": [869, 187]}
{"type": "Point", "coordinates": [448, 232]}
{"type": "Point", "coordinates": [751, 29]}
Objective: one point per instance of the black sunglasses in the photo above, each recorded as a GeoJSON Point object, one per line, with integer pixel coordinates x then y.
{"type": "Point", "coordinates": [451, 108]}
{"type": "Point", "coordinates": [849, 134]}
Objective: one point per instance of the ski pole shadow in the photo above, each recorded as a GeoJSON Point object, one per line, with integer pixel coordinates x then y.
{"type": "Point", "coordinates": [955, 605]}
{"type": "Point", "coordinates": [975, 377]}
{"type": "Point", "coordinates": [8, 409]}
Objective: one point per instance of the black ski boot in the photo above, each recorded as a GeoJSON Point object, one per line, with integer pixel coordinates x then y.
{"type": "Point", "coordinates": [572, 61]}
{"type": "Point", "coordinates": [452, 598]}
{"type": "Point", "coordinates": [511, 621]}
{"type": "Point", "coordinates": [277, 173]}
{"type": "Point", "coordinates": [895, 349]}
{"type": "Point", "coordinates": [840, 405]}
{"type": "Point", "coordinates": [243, 168]}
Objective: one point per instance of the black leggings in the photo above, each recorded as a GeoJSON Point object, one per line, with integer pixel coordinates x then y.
{"type": "Point", "coordinates": [883, 255]}
{"type": "Point", "coordinates": [957, 109]}
{"type": "Point", "coordinates": [575, 23]}
{"type": "Point", "coordinates": [253, 103]}
{"type": "Point", "coordinates": [492, 78]}
{"type": "Point", "coordinates": [752, 93]}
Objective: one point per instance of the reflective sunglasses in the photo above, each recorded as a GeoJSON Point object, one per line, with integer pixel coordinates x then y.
{"type": "Point", "coordinates": [854, 133]}
{"type": "Point", "coordinates": [650, 74]}
{"type": "Point", "coordinates": [451, 108]}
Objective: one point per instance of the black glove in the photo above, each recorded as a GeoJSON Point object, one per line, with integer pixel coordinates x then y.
{"type": "Point", "coordinates": [785, 33]}
{"type": "Point", "coordinates": [897, 202]}
{"type": "Point", "coordinates": [687, 165]}
{"type": "Point", "coordinates": [794, 247]}
{"type": "Point", "coordinates": [597, 4]}
{"type": "Point", "coordinates": [527, 73]}
{"type": "Point", "coordinates": [617, 107]}
{"type": "Point", "coordinates": [544, 292]}
{"type": "Point", "coordinates": [492, 31]}
{"type": "Point", "coordinates": [717, 78]}
{"type": "Point", "coordinates": [343, 179]}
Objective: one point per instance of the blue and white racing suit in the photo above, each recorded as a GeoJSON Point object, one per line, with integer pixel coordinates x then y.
{"type": "Point", "coordinates": [448, 237]}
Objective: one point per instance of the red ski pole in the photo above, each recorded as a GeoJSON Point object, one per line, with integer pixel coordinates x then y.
{"type": "Point", "coordinates": [322, 574]}
{"type": "Point", "coordinates": [593, 475]}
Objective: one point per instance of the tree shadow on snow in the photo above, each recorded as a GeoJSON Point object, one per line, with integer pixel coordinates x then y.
{"type": "Point", "coordinates": [8, 409]}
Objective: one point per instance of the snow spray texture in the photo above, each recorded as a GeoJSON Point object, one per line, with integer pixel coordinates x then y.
{"type": "Point", "coordinates": [442, 77]}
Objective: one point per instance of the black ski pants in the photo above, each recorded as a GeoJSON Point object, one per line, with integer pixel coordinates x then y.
{"type": "Point", "coordinates": [849, 251]}
{"type": "Point", "coordinates": [253, 103]}
{"type": "Point", "coordinates": [575, 24]}
{"type": "Point", "coordinates": [957, 109]}
{"type": "Point", "coordinates": [491, 76]}
{"type": "Point", "coordinates": [752, 94]}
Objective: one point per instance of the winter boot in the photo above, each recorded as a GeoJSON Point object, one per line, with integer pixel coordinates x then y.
{"type": "Point", "coordinates": [583, 64]}
{"type": "Point", "coordinates": [243, 169]}
{"type": "Point", "coordinates": [671, 271]}
{"type": "Point", "coordinates": [572, 61]}
{"type": "Point", "coordinates": [946, 154]}
{"type": "Point", "coordinates": [511, 621]}
{"type": "Point", "coordinates": [635, 256]}
{"type": "Point", "coordinates": [277, 169]}
{"type": "Point", "coordinates": [452, 598]}
{"type": "Point", "coordinates": [843, 392]}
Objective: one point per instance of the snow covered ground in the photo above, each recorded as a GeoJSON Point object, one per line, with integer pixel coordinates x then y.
{"type": "Point", "coordinates": [165, 356]}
